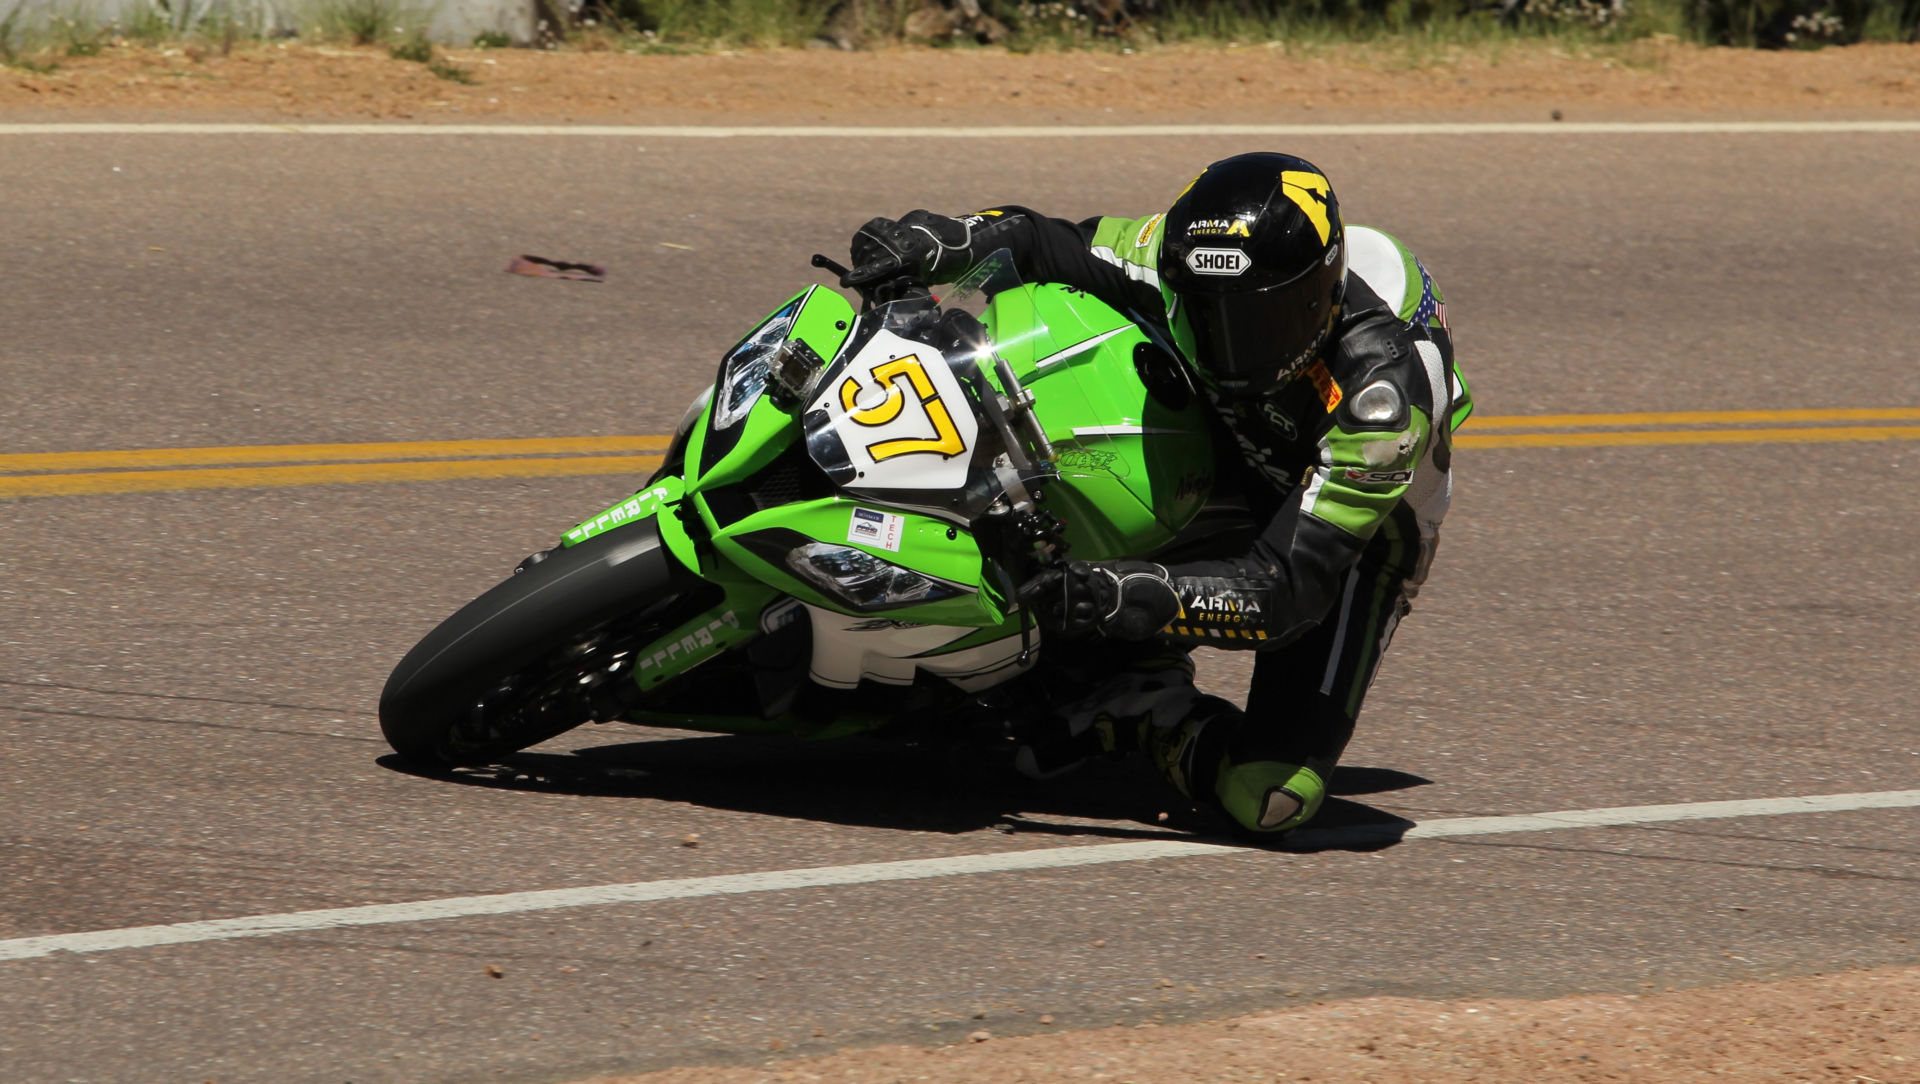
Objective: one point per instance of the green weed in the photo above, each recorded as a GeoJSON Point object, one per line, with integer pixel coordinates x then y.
{"type": "Point", "coordinates": [714, 22]}
{"type": "Point", "coordinates": [452, 73]}
{"type": "Point", "coordinates": [13, 40]}
{"type": "Point", "coordinates": [417, 49]}
{"type": "Point", "coordinates": [147, 24]}
{"type": "Point", "coordinates": [1412, 32]}
{"type": "Point", "coordinates": [83, 38]}
{"type": "Point", "coordinates": [9, 51]}
{"type": "Point", "coordinates": [362, 22]}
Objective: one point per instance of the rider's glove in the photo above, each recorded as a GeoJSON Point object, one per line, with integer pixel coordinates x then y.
{"type": "Point", "coordinates": [930, 247]}
{"type": "Point", "coordinates": [1126, 600]}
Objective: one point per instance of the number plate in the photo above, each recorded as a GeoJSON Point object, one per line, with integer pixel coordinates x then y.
{"type": "Point", "coordinates": [902, 417]}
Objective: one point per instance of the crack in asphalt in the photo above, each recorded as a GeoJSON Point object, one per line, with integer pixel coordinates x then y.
{"type": "Point", "coordinates": [1817, 871]}
{"type": "Point", "coordinates": [1900, 851]}
{"type": "Point", "coordinates": [182, 696]}
{"type": "Point", "coordinates": [189, 722]}
{"type": "Point", "coordinates": [527, 955]}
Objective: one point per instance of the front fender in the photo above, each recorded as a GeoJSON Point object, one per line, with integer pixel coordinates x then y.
{"type": "Point", "coordinates": [659, 502]}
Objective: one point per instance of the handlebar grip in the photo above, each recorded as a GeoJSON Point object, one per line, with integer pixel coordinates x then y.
{"type": "Point", "coordinates": [878, 271]}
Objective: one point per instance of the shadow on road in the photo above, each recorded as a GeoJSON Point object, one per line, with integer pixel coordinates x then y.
{"type": "Point", "coordinates": [890, 784]}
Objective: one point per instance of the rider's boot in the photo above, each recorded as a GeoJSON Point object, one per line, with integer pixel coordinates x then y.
{"type": "Point", "coordinates": [1153, 683]}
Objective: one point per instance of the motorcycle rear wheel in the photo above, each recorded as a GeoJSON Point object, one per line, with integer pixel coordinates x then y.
{"type": "Point", "coordinates": [538, 654]}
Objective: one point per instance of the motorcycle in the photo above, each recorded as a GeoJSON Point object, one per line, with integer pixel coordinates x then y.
{"type": "Point", "coordinates": [837, 535]}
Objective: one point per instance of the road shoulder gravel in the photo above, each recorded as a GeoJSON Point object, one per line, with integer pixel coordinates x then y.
{"type": "Point", "coordinates": [1859, 1026]}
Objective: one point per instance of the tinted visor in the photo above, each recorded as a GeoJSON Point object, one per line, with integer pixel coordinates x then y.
{"type": "Point", "coordinates": [1248, 342]}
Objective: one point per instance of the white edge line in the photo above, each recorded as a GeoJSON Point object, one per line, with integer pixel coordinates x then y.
{"type": "Point", "coordinates": [1115, 131]}
{"type": "Point", "coordinates": [914, 869]}
{"type": "Point", "coordinates": [596, 895]}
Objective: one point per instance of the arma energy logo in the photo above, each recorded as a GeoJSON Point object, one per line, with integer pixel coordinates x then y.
{"type": "Point", "coordinates": [1217, 261]}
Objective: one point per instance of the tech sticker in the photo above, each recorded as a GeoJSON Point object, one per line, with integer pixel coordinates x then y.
{"type": "Point", "coordinates": [882, 529]}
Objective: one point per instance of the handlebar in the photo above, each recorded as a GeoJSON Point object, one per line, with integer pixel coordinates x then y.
{"type": "Point", "coordinates": [877, 283]}
{"type": "Point", "coordinates": [832, 265]}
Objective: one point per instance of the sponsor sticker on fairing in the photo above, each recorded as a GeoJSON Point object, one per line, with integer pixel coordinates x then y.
{"type": "Point", "coordinates": [881, 529]}
{"type": "Point", "coordinates": [1217, 261]}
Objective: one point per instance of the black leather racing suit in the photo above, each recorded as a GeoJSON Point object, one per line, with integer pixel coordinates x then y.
{"type": "Point", "coordinates": [1346, 470]}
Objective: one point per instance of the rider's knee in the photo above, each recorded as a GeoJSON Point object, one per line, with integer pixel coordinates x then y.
{"type": "Point", "coordinates": [1266, 797]}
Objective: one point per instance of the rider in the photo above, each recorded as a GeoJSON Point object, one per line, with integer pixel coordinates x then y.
{"type": "Point", "coordinates": [1325, 352]}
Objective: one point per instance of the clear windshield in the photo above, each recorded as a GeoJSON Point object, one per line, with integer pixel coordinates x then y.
{"type": "Point", "coordinates": [971, 293]}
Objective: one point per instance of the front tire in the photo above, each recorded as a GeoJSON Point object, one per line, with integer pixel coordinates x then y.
{"type": "Point", "coordinates": [499, 675]}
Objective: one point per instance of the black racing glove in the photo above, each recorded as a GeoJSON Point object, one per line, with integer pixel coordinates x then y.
{"type": "Point", "coordinates": [927, 246]}
{"type": "Point", "coordinates": [1126, 600]}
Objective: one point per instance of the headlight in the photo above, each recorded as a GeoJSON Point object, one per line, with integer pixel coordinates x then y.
{"type": "Point", "coordinates": [743, 376]}
{"type": "Point", "coordinates": [863, 581]}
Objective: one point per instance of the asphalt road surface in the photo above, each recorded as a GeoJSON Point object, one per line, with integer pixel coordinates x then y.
{"type": "Point", "coordinates": [188, 676]}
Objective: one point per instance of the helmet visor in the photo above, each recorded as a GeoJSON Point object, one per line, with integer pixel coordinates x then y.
{"type": "Point", "coordinates": [1248, 342]}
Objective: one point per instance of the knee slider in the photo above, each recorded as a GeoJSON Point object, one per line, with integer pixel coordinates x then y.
{"type": "Point", "coordinates": [1268, 797]}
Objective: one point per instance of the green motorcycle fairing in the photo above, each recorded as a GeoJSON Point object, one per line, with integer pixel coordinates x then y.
{"type": "Point", "coordinates": [756, 510]}
{"type": "Point", "coordinates": [1130, 438]}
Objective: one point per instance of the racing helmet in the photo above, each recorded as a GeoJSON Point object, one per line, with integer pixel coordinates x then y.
{"type": "Point", "coordinates": [1255, 255]}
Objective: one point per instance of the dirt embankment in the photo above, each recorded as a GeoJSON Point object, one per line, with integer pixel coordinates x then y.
{"type": "Point", "coordinates": [1252, 84]}
{"type": "Point", "coordinates": [1862, 1027]}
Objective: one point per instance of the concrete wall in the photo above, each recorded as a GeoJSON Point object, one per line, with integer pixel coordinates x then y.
{"type": "Point", "coordinates": [453, 22]}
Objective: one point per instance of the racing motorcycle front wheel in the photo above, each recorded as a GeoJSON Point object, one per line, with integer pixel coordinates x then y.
{"type": "Point", "coordinates": [542, 652]}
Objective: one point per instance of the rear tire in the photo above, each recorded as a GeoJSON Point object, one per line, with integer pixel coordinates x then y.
{"type": "Point", "coordinates": [483, 684]}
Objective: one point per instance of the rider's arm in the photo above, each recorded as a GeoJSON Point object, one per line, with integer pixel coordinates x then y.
{"type": "Point", "coordinates": [1299, 563]}
{"type": "Point", "coordinates": [1090, 255]}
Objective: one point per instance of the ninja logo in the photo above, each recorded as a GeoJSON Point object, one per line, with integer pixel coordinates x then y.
{"type": "Point", "coordinates": [1193, 485]}
{"type": "Point", "coordinates": [1217, 261]}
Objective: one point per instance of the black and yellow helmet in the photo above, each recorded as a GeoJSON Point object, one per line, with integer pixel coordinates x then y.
{"type": "Point", "coordinates": [1255, 255]}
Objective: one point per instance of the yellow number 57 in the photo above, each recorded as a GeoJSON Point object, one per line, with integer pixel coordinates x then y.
{"type": "Point", "coordinates": [896, 377]}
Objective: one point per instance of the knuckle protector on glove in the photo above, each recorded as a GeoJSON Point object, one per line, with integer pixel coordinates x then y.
{"type": "Point", "coordinates": [1071, 600]}
{"type": "Point", "coordinates": [1086, 599]}
{"type": "Point", "coordinates": [1144, 600]}
{"type": "Point", "coordinates": [944, 231]}
{"type": "Point", "coordinates": [944, 242]}
{"type": "Point", "coordinates": [881, 238]}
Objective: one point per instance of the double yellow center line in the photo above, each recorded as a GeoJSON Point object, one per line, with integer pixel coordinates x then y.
{"type": "Point", "coordinates": [62, 474]}
{"type": "Point", "coordinates": [1700, 427]}
{"type": "Point", "coordinates": [65, 474]}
